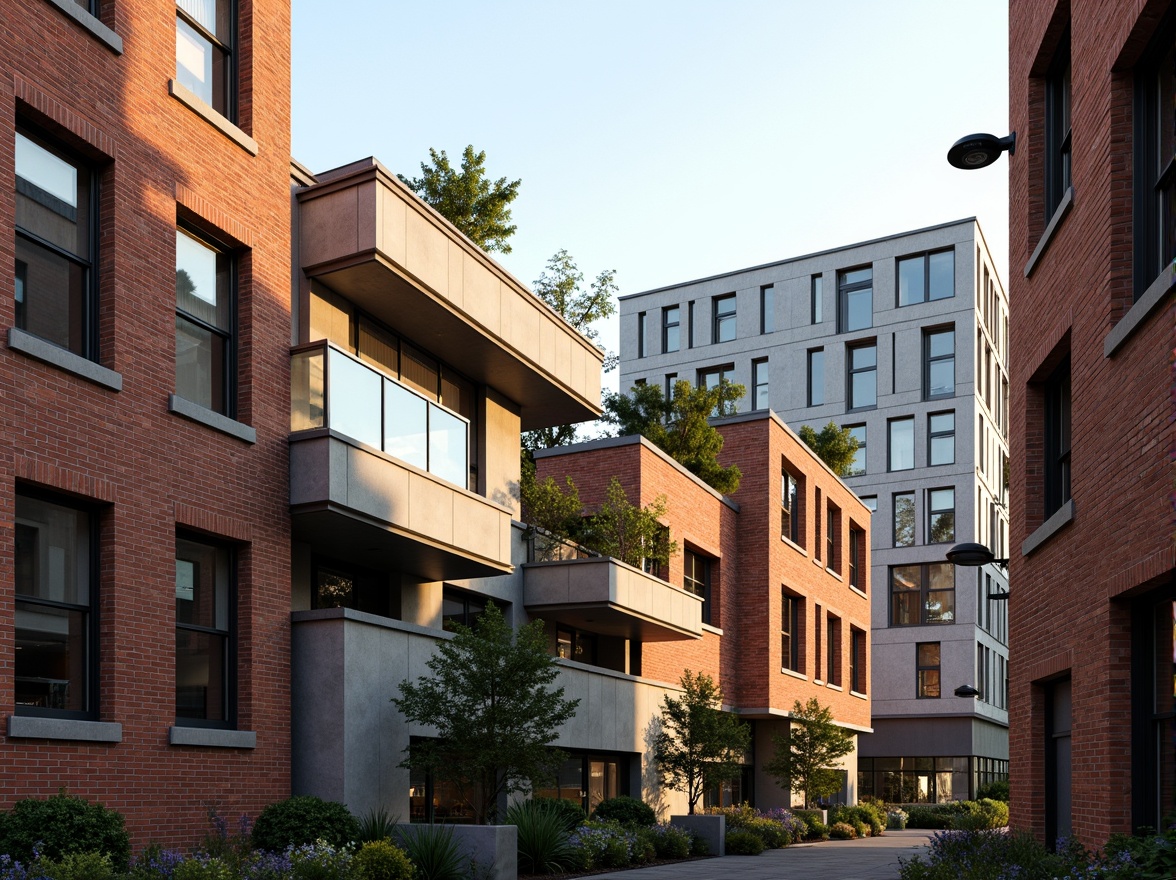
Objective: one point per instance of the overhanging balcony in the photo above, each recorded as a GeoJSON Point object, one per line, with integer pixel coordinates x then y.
{"type": "Point", "coordinates": [610, 598]}
{"type": "Point", "coordinates": [377, 474]}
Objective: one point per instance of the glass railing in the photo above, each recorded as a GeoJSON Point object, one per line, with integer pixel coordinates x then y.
{"type": "Point", "coordinates": [331, 389]}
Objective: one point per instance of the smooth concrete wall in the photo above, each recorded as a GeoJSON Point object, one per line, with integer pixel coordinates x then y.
{"type": "Point", "coordinates": [499, 457]}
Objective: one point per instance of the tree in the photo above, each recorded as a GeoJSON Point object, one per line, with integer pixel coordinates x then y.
{"type": "Point", "coordinates": [560, 286]}
{"type": "Point", "coordinates": [835, 446]}
{"type": "Point", "coordinates": [805, 757]}
{"type": "Point", "coordinates": [490, 701]}
{"type": "Point", "coordinates": [680, 426]}
{"type": "Point", "coordinates": [699, 745]}
{"type": "Point", "coordinates": [630, 533]}
{"type": "Point", "coordinates": [467, 198]}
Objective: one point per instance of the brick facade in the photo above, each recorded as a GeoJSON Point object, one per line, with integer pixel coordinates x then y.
{"type": "Point", "coordinates": [142, 470]}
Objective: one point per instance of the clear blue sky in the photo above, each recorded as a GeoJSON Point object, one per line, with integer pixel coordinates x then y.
{"type": "Point", "coordinates": [671, 140]}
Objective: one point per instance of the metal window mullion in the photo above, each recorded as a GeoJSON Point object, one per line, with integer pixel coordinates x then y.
{"type": "Point", "coordinates": [205, 32]}
{"type": "Point", "coordinates": [55, 248]}
{"type": "Point", "coordinates": [49, 603]}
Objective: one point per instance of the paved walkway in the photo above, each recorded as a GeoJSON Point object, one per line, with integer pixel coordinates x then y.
{"type": "Point", "coordinates": [873, 858]}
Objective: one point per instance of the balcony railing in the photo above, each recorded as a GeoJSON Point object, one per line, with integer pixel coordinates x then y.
{"type": "Point", "coordinates": [330, 388]}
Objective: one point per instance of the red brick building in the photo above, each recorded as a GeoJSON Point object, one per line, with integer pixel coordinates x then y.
{"type": "Point", "coordinates": [144, 526]}
{"type": "Point", "coordinates": [782, 567]}
{"type": "Point", "coordinates": [1092, 242]}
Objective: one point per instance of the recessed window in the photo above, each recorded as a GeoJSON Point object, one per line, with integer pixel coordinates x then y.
{"type": "Point", "coordinates": [858, 658]}
{"type": "Point", "coordinates": [790, 508]}
{"type": "Point", "coordinates": [641, 328]}
{"type": "Point", "coordinates": [922, 594]}
{"type": "Point", "coordinates": [941, 438]}
{"type": "Point", "coordinates": [690, 324]}
{"type": "Point", "coordinates": [1057, 438]}
{"type": "Point", "coordinates": [55, 290]}
{"type": "Point", "coordinates": [671, 378]}
{"type": "Point", "coordinates": [1057, 127]}
{"type": "Point", "coordinates": [858, 466]}
{"type": "Point", "coordinates": [857, 558]}
{"type": "Point", "coordinates": [791, 619]}
{"type": "Point", "coordinates": [938, 363]}
{"type": "Point", "coordinates": [855, 300]}
{"type": "Point", "coordinates": [574, 644]}
{"type": "Point", "coordinates": [870, 502]}
{"type": "Point", "coordinates": [833, 537]}
{"type": "Point", "coordinates": [205, 325]}
{"type": "Point", "coordinates": [816, 376]}
{"type": "Point", "coordinates": [816, 295]}
{"type": "Point", "coordinates": [671, 337]}
{"type": "Point", "coordinates": [55, 585]}
{"type": "Point", "coordinates": [204, 52]}
{"type": "Point", "coordinates": [711, 378]}
{"type": "Point", "coordinates": [927, 670]}
{"type": "Point", "coordinates": [759, 384]}
{"type": "Point", "coordinates": [696, 579]}
{"type": "Point", "coordinates": [204, 633]}
{"type": "Point", "coordinates": [767, 308]}
{"type": "Point", "coordinates": [904, 519]}
{"type": "Point", "coordinates": [926, 277]}
{"type": "Point", "coordinates": [902, 443]}
{"type": "Point", "coordinates": [940, 516]}
{"type": "Point", "coordinates": [723, 329]}
{"type": "Point", "coordinates": [863, 376]}
{"type": "Point", "coordinates": [1154, 234]}
{"type": "Point", "coordinates": [833, 650]}
{"type": "Point", "coordinates": [463, 608]}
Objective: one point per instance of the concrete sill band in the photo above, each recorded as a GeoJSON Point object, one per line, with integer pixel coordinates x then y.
{"type": "Point", "coordinates": [190, 100]}
{"type": "Point", "coordinates": [204, 416]}
{"type": "Point", "coordinates": [96, 28]}
{"type": "Point", "coordinates": [54, 355]}
{"type": "Point", "coordinates": [35, 727]}
{"type": "Point", "coordinates": [211, 737]}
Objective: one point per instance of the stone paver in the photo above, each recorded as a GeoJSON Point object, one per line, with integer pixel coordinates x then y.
{"type": "Point", "coordinates": [874, 858]}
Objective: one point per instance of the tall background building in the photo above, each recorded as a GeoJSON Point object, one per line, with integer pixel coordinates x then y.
{"type": "Point", "coordinates": [903, 339]}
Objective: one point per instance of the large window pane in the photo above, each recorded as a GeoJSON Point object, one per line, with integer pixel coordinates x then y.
{"type": "Point", "coordinates": [863, 377]}
{"type": "Point", "coordinates": [941, 275]}
{"type": "Point", "coordinates": [52, 647]}
{"type": "Point", "coordinates": [406, 426]}
{"type": "Point", "coordinates": [203, 46]}
{"type": "Point", "coordinates": [904, 519]}
{"type": "Point", "coordinates": [902, 444]}
{"type": "Point", "coordinates": [816, 377]}
{"type": "Point", "coordinates": [200, 361]}
{"type": "Point", "coordinates": [856, 296]}
{"type": "Point", "coordinates": [941, 428]}
{"type": "Point", "coordinates": [204, 325]}
{"type": "Point", "coordinates": [353, 399]}
{"type": "Point", "coordinates": [941, 524]}
{"type": "Point", "coordinates": [201, 680]}
{"type": "Point", "coordinates": [910, 281]}
{"type": "Point", "coordinates": [448, 445]}
{"type": "Point", "coordinates": [904, 595]}
{"type": "Point", "coordinates": [203, 594]}
{"type": "Point", "coordinates": [858, 466]}
{"type": "Point", "coordinates": [51, 293]}
{"type": "Point", "coordinates": [940, 363]}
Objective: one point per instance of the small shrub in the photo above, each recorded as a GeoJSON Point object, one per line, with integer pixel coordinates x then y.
{"type": "Point", "coordinates": [319, 861]}
{"type": "Point", "coordinates": [842, 831]}
{"type": "Point", "coordinates": [981, 855]}
{"type": "Point", "coordinates": [377, 824]}
{"type": "Point", "coordinates": [644, 846]}
{"type": "Point", "coordinates": [817, 830]}
{"type": "Point", "coordinates": [76, 866]}
{"type": "Point", "coordinates": [381, 860]}
{"type": "Point", "coordinates": [153, 863]}
{"type": "Point", "coordinates": [304, 819]}
{"type": "Point", "coordinates": [794, 827]}
{"type": "Point", "coordinates": [744, 843]}
{"type": "Point", "coordinates": [570, 812]}
{"type": "Point", "coordinates": [543, 846]}
{"type": "Point", "coordinates": [599, 845]}
{"type": "Point", "coordinates": [997, 791]}
{"type": "Point", "coordinates": [434, 851]}
{"type": "Point", "coordinates": [202, 868]}
{"type": "Point", "coordinates": [896, 819]}
{"type": "Point", "coordinates": [865, 821]}
{"type": "Point", "coordinates": [63, 824]}
{"type": "Point", "coordinates": [628, 811]}
{"type": "Point", "coordinates": [699, 846]}
{"type": "Point", "coordinates": [932, 816]}
{"type": "Point", "coordinates": [671, 842]}
{"type": "Point", "coordinates": [770, 832]}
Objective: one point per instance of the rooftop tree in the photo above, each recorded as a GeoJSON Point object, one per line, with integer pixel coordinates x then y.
{"type": "Point", "coordinates": [834, 445]}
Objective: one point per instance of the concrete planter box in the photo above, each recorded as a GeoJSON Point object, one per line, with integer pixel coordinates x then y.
{"type": "Point", "coordinates": [494, 848]}
{"type": "Point", "coordinates": [712, 829]}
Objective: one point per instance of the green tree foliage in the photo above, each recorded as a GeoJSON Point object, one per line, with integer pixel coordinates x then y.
{"type": "Point", "coordinates": [468, 199]}
{"type": "Point", "coordinates": [549, 506]}
{"type": "Point", "coordinates": [630, 533]}
{"type": "Point", "coordinates": [63, 825]}
{"type": "Point", "coordinates": [681, 425]}
{"type": "Point", "coordinates": [699, 745]}
{"type": "Point", "coordinates": [805, 757]}
{"type": "Point", "coordinates": [491, 702]}
{"type": "Point", "coordinates": [561, 286]}
{"type": "Point", "coordinates": [304, 819]}
{"type": "Point", "coordinates": [833, 445]}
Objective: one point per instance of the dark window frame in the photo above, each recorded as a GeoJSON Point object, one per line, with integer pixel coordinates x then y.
{"type": "Point", "coordinates": [230, 635]}
{"type": "Point", "coordinates": [791, 491]}
{"type": "Point", "coordinates": [722, 318]}
{"type": "Point", "coordinates": [791, 621]}
{"type": "Point", "coordinates": [468, 600]}
{"type": "Point", "coordinates": [1154, 172]}
{"type": "Point", "coordinates": [230, 49]}
{"type": "Point", "coordinates": [933, 512]}
{"type": "Point", "coordinates": [816, 297]}
{"type": "Point", "coordinates": [929, 359]}
{"type": "Point", "coordinates": [667, 325]}
{"type": "Point", "coordinates": [642, 327]}
{"type": "Point", "coordinates": [692, 583]}
{"type": "Point", "coordinates": [925, 257]}
{"type": "Point", "coordinates": [1057, 445]}
{"type": "Point", "coordinates": [767, 308]}
{"type": "Point", "coordinates": [922, 688]}
{"type": "Point", "coordinates": [860, 452]}
{"type": "Point", "coordinates": [923, 593]}
{"type": "Point", "coordinates": [833, 537]}
{"type": "Point", "coordinates": [815, 357]}
{"type": "Point", "coordinates": [858, 660]}
{"type": "Point", "coordinates": [759, 379]}
{"type": "Point", "coordinates": [890, 444]}
{"type": "Point", "coordinates": [894, 499]}
{"type": "Point", "coordinates": [845, 290]}
{"type": "Point", "coordinates": [851, 371]}
{"type": "Point", "coordinates": [1057, 170]}
{"type": "Point", "coordinates": [833, 650]}
{"type": "Point", "coordinates": [229, 336]}
{"type": "Point", "coordinates": [857, 543]}
{"type": "Point", "coordinates": [933, 435]}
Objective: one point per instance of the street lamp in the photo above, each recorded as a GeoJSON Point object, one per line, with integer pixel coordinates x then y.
{"type": "Point", "coordinates": [974, 555]}
{"type": "Point", "coordinates": [980, 150]}
{"type": "Point", "coordinates": [966, 690]}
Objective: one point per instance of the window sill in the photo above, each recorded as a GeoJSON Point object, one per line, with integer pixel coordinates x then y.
{"type": "Point", "coordinates": [835, 687]}
{"type": "Point", "coordinates": [1155, 296]}
{"type": "Point", "coordinates": [835, 574]}
{"type": "Point", "coordinates": [795, 547]}
{"type": "Point", "coordinates": [860, 696]}
{"type": "Point", "coordinates": [861, 593]}
{"type": "Point", "coordinates": [1051, 228]}
{"type": "Point", "coordinates": [1049, 528]}
{"type": "Point", "coordinates": [96, 28]}
{"type": "Point", "coordinates": [190, 100]}
{"type": "Point", "coordinates": [204, 416]}
{"type": "Point", "coordinates": [713, 630]}
{"type": "Point", "coordinates": [211, 737]}
{"type": "Point", "coordinates": [47, 352]}
{"type": "Point", "coordinates": [818, 562]}
{"type": "Point", "coordinates": [793, 673]}
{"type": "Point", "coordinates": [37, 727]}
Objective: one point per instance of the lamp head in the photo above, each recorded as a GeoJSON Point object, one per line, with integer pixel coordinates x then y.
{"type": "Point", "coordinates": [972, 555]}
{"type": "Point", "coordinates": [966, 690]}
{"type": "Point", "coordinates": [980, 150]}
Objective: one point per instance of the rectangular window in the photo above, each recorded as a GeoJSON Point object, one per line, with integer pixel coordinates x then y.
{"type": "Point", "coordinates": [573, 644]}
{"type": "Point", "coordinates": [723, 328]}
{"type": "Point", "coordinates": [901, 443]}
{"type": "Point", "coordinates": [790, 508]}
{"type": "Point", "coordinates": [938, 363]}
{"type": "Point", "coordinates": [863, 376]}
{"type": "Point", "coordinates": [767, 308]}
{"type": "Point", "coordinates": [1057, 127]}
{"type": "Point", "coordinates": [697, 579]}
{"type": "Point", "coordinates": [857, 558]}
{"type": "Point", "coordinates": [791, 617]}
{"type": "Point", "coordinates": [904, 519]}
{"type": "Point", "coordinates": [55, 582]}
{"type": "Point", "coordinates": [1155, 144]}
{"type": "Point", "coordinates": [641, 328]}
{"type": "Point", "coordinates": [833, 649]}
{"type": "Point", "coordinates": [927, 670]}
{"type": "Point", "coordinates": [818, 518]}
{"type": "Point", "coordinates": [462, 608]}
{"type": "Point", "coordinates": [816, 376]}
{"type": "Point", "coordinates": [941, 438]}
{"type": "Point", "coordinates": [671, 379]}
{"type": "Point", "coordinates": [855, 300]}
{"type": "Point", "coordinates": [690, 324]}
{"type": "Point", "coordinates": [818, 629]}
{"type": "Point", "coordinates": [816, 295]}
{"type": "Point", "coordinates": [833, 537]}
{"type": "Point", "coordinates": [759, 384]}
{"type": "Point", "coordinates": [858, 466]}
{"type": "Point", "coordinates": [55, 284]}
{"type": "Point", "coordinates": [926, 277]}
{"type": "Point", "coordinates": [858, 657]}
{"type": "Point", "coordinates": [922, 594]}
{"type": "Point", "coordinates": [204, 52]}
{"type": "Point", "coordinates": [1057, 438]}
{"type": "Point", "coordinates": [871, 502]}
{"type": "Point", "coordinates": [671, 338]}
{"type": "Point", "coordinates": [204, 633]}
{"type": "Point", "coordinates": [711, 378]}
{"type": "Point", "coordinates": [940, 516]}
{"type": "Point", "coordinates": [205, 323]}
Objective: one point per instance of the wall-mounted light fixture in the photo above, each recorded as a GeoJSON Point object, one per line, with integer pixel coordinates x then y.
{"type": "Point", "coordinates": [980, 150]}
{"type": "Point", "coordinates": [975, 555]}
{"type": "Point", "coordinates": [966, 690]}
